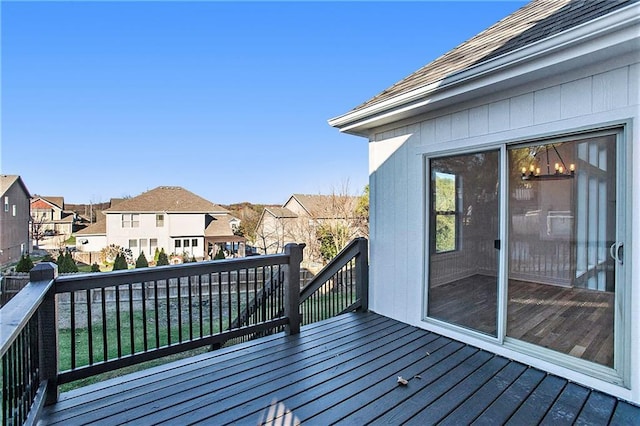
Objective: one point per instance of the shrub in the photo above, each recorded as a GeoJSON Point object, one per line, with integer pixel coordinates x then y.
{"type": "Point", "coordinates": [219, 254]}
{"type": "Point", "coordinates": [162, 258]}
{"type": "Point", "coordinates": [95, 268]}
{"type": "Point", "coordinates": [156, 255]}
{"type": "Point", "coordinates": [120, 263]}
{"type": "Point", "coordinates": [141, 261]}
{"type": "Point", "coordinates": [25, 264]}
{"type": "Point", "coordinates": [66, 264]}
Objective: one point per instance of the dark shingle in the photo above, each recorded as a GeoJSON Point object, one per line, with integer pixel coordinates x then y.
{"type": "Point", "coordinates": [533, 22]}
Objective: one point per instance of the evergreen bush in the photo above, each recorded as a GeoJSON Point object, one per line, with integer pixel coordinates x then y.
{"type": "Point", "coordinates": [25, 264]}
{"type": "Point", "coordinates": [162, 258]}
{"type": "Point", "coordinates": [219, 254]}
{"type": "Point", "coordinates": [95, 267]}
{"type": "Point", "coordinates": [141, 261]}
{"type": "Point", "coordinates": [120, 263]}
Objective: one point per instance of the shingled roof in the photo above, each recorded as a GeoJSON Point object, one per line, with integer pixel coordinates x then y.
{"type": "Point", "coordinates": [281, 212]}
{"type": "Point", "coordinates": [7, 181]}
{"type": "Point", "coordinates": [533, 22]}
{"type": "Point", "coordinates": [322, 206]}
{"type": "Point", "coordinates": [170, 199]}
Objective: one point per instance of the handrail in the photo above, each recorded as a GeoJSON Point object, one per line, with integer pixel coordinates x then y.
{"type": "Point", "coordinates": [355, 248]}
{"type": "Point", "coordinates": [341, 286]}
{"type": "Point", "coordinates": [26, 370]}
{"type": "Point", "coordinates": [19, 310]}
{"type": "Point", "coordinates": [95, 280]}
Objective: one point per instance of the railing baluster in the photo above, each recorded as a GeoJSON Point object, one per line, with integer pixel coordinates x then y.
{"type": "Point", "coordinates": [220, 328]}
{"type": "Point", "coordinates": [190, 309]}
{"type": "Point", "coordinates": [156, 314]}
{"type": "Point", "coordinates": [89, 328]}
{"type": "Point", "coordinates": [72, 331]}
{"type": "Point", "coordinates": [200, 305]}
{"type": "Point", "coordinates": [179, 304]}
{"type": "Point", "coordinates": [143, 296]}
{"type": "Point", "coordinates": [131, 320]}
{"type": "Point", "coordinates": [168, 297]}
{"type": "Point", "coordinates": [210, 276]}
{"type": "Point", "coordinates": [118, 328]}
{"type": "Point", "coordinates": [105, 350]}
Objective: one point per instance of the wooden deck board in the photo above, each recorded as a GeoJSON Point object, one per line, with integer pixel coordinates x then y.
{"type": "Point", "coordinates": [341, 371]}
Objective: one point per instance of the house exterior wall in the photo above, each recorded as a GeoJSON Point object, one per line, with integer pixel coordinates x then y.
{"type": "Point", "coordinates": [14, 229]}
{"type": "Point", "coordinates": [176, 226]}
{"type": "Point", "coordinates": [94, 243]}
{"type": "Point", "coordinates": [590, 97]}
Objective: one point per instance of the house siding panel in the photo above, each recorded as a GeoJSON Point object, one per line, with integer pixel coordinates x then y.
{"type": "Point", "coordinates": [460, 125]}
{"type": "Point", "coordinates": [610, 90]}
{"type": "Point", "coordinates": [499, 116]}
{"type": "Point", "coordinates": [575, 98]}
{"type": "Point", "coordinates": [546, 106]}
{"type": "Point", "coordinates": [521, 111]}
{"type": "Point", "coordinates": [479, 121]}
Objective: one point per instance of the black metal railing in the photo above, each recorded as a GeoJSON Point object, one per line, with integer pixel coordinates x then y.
{"type": "Point", "coordinates": [341, 286]}
{"type": "Point", "coordinates": [62, 329]}
{"type": "Point", "coordinates": [23, 330]}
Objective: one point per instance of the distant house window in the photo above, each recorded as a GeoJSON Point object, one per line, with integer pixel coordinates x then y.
{"type": "Point", "coordinates": [143, 244]}
{"type": "Point", "coordinates": [194, 242]}
{"type": "Point", "coordinates": [14, 209]}
{"type": "Point", "coordinates": [133, 244]}
{"type": "Point", "coordinates": [178, 243]}
{"type": "Point", "coordinates": [153, 245]}
{"type": "Point", "coordinates": [185, 243]}
{"type": "Point", "coordinates": [6, 204]}
{"type": "Point", "coordinates": [159, 220]}
{"type": "Point", "coordinates": [130, 220]}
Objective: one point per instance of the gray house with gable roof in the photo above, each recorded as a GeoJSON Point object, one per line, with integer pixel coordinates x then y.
{"type": "Point", "coordinates": [517, 158]}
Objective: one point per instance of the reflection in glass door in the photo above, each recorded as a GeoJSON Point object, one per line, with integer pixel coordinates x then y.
{"type": "Point", "coordinates": [562, 246]}
{"type": "Point", "coordinates": [463, 264]}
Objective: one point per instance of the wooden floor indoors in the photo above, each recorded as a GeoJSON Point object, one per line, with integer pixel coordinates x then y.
{"type": "Point", "coordinates": [574, 321]}
{"type": "Point", "coordinates": [343, 370]}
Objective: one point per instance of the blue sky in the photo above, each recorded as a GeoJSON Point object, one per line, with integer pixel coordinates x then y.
{"type": "Point", "coordinates": [229, 100]}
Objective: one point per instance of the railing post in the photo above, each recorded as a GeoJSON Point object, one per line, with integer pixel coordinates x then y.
{"type": "Point", "coordinates": [362, 274]}
{"type": "Point", "coordinates": [48, 330]}
{"type": "Point", "coordinates": [292, 287]}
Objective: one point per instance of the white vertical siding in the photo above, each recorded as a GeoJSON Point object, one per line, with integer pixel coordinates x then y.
{"type": "Point", "coordinates": [546, 105]}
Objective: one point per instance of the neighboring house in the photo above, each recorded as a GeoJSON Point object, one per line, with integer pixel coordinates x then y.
{"type": "Point", "coordinates": [475, 233]}
{"type": "Point", "coordinates": [14, 219]}
{"type": "Point", "coordinates": [167, 217]}
{"type": "Point", "coordinates": [299, 219]}
{"type": "Point", "coordinates": [49, 215]}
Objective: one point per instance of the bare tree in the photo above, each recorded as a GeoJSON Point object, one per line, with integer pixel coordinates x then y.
{"type": "Point", "coordinates": [38, 228]}
{"type": "Point", "coordinates": [271, 236]}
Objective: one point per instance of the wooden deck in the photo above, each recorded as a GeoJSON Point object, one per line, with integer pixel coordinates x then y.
{"type": "Point", "coordinates": [343, 370]}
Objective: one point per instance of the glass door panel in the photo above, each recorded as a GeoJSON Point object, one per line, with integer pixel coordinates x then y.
{"type": "Point", "coordinates": [463, 265]}
{"type": "Point", "coordinates": [562, 222]}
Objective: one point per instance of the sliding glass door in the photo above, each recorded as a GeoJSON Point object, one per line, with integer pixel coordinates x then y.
{"type": "Point", "coordinates": [563, 248]}
{"type": "Point", "coordinates": [463, 278]}
{"type": "Point", "coordinates": [561, 286]}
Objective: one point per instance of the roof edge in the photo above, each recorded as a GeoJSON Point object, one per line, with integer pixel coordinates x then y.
{"type": "Point", "coordinates": [357, 122]}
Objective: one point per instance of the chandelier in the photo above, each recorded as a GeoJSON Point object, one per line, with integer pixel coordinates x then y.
{"type": "Point", "coordinates": [561, 171]}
